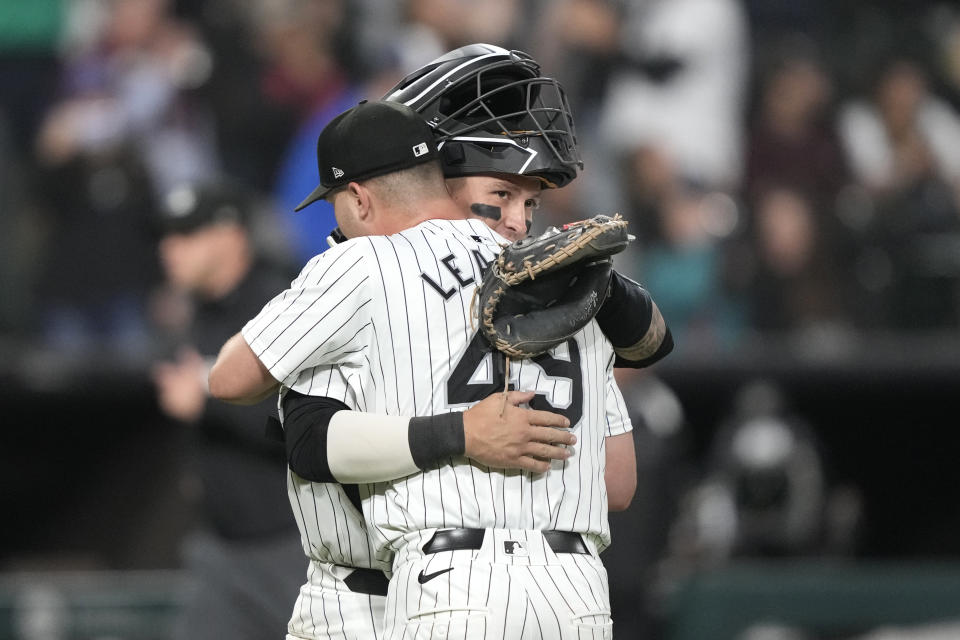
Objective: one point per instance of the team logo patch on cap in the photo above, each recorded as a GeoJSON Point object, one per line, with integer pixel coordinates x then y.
{"type": "Point", "coordinates": [337, 173]}
{"type": "Point", "coordinates": [420, 149]}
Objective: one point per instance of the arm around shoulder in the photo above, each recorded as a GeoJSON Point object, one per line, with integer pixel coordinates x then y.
{"type": "Point", "coordinates": [238, 376]}
{"type": "Point", "coordinates": [327, 442]}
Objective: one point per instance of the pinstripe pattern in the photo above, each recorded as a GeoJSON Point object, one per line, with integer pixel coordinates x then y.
{"type": "Point", "coordinates": [363, 324]}
{"type": "Point", "coordinates": [327, 610]}
{"type": "Point", "coordinates": [363, 305]}
{"type": "Point", "coordinates": [490, 595]}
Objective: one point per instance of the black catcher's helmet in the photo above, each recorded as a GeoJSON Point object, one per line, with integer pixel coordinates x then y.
{"type": "Point", "coordinates": [492, 111]}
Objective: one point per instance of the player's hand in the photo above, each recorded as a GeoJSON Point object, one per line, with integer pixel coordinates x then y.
{"type": "Point", "coordinates": [181, 386]}
{"type": "Point", "coordinates": [503, 435]}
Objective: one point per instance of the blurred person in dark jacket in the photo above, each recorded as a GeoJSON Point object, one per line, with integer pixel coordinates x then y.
{"type": "Point", "coordinates": [245, 558]}
{"type": "Point", "coordinates": [792, 139]}
{"type": "Point", "coordinates": [902, 139]}
{"type": "Point", "coordinates": [798, 283]}
{"type": "Point", "coordinates": [127, 125]}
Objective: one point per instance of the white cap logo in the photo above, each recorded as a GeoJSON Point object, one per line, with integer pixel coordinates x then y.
{"type": "Point", "coordinates": [420, 149]}
{"type": "Point", "coordinates": [337, 173]}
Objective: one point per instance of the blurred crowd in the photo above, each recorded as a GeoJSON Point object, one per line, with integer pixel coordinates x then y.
{"type": "Point", "coordinates": [788, 168]}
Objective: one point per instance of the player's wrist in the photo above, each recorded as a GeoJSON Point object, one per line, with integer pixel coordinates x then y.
{"type": "Point", "coordinates": [626, 314]}
{"type": "Point", "coordinates": [665, 348]}
{"type": "Point", "coordinates": [656, 343]}
{"type": "Point", "coordinates": [435, 438]}
{"type": "Point", "coordinates": [631, 321]}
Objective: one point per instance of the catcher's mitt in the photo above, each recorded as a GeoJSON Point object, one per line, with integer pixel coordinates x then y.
{"type": "Point", "coordinates": [540, 291]}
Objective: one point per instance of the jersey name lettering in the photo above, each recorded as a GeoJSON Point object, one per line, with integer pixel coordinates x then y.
{"type": "Point", "coordinates": [455, 271]}
{"type": "Point", "coordinates": [446, 293]}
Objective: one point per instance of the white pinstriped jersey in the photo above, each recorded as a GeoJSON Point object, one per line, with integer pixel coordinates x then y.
{"type": "Point", "coordinates": [384, 324]}
{"type": "Point", "coordinates": [332, 528]}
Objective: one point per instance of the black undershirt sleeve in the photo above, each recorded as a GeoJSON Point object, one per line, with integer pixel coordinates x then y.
{"type": "Point", "coordinates": [624, 317]}
{"type": "Point", "coordinates": [306, 420]}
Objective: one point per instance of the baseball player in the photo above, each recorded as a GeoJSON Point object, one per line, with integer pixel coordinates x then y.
{"type": "Point", "coordinates": [498, 178]}
{"type": "Point", "coordinates": [504, 197]}
{"type": "Point", "coordinates": [370, 291]}
{"type": "Point", "coordinates": [506, 133]}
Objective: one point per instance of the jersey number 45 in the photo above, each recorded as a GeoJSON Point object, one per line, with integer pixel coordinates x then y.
{"type": "Point", "coordinates": [462, 387]}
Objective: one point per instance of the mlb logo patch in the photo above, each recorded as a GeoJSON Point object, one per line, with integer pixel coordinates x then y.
{"type": "Point", "coordinates": [337, 173]}
{"type": "Point", "coordinates": [513, 548]}
{"type": "Point", "coordinates": [420, 149]}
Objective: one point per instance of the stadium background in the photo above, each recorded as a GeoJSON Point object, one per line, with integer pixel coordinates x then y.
{"type": "Point", "coordinates": [796, 452]}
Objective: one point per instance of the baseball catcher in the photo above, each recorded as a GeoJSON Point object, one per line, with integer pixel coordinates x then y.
{"type": "Point", "coordinates": [542, 290]}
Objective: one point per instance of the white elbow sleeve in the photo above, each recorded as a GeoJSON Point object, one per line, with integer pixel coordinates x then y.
{"type": "Point", "coordinates": [363, 447]}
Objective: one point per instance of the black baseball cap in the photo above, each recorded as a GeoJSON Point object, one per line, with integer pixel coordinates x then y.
{"type": "Point", "coordinates": [371, 139]}
{"type": "Point", "coordinates": [188, 207]}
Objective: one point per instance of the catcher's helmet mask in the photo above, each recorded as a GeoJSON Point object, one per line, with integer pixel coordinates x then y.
{"type": "Point", "coordinates": [491, 111]}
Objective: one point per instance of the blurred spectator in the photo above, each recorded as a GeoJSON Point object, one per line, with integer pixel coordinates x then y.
{"type": "Point", "coordinates": [679, 87]}
{"type": "Point", "coordinates": [654, 79]}
{"type": "Point", "coordinates": [797, 283]}
{"type": "Point", "coordinates": [132, 85]}
{"type": "Point", "coordinates": [903, 143]}
{"type": "Point", "coordinates": [682, 259]}
{"type": "Point", "coordinates": [456, 23]}
{"type": "Point", "coordinates": [902, 133]}
{"type": "Point", "coordinates": [125, 128]}
{"type": "Point", "coordinates": [795, 256]}
{"type": "Point", "coordinates": [662, 90]}
{"type": "Point", "coordinates": [98, 264]}
{"type": "Point", "coordinates": [255, 113]}
{"type": "Point", "coordinates": [303, 71]}
{"type": "Point", "coordinates": [579, 42]}
{"type": "Point", "coordinates": [768, 491]}
{"type": "Point", "coordinates": [245, 557]}
{"type": "Point", "coordinates": [792, 137]}
{"type": "Point", "coordinates": [305, 45]}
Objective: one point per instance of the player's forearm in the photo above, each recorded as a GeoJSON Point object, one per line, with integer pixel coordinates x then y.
{"type": "Point", "coordinates": [327, 442]}
{"type": "Point", "coordinates": [620, 473]}
{"type": "Point", "coordinates": [632, 322]}
{"type": "Point", "coordinates": [238, 376]}
{"type": "Point", "coordinates": [362, 447]}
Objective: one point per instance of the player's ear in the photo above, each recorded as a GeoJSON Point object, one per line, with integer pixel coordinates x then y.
{"type": "Point", "coordinates": [360, 200]}
{"type": "Point", "coordinates": [454, 185]}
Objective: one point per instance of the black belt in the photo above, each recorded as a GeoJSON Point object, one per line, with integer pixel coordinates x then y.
{"type": "Point", "coordinates": [369, 581]}
{"type": "Point", "coordinates": [458, 539]}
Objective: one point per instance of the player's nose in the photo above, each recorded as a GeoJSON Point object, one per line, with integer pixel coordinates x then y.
{"type": "Point", "coordinates": [514, 224]}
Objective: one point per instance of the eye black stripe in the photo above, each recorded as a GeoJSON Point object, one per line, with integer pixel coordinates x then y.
{"type": "Point", "coordinates": [485, 210]}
